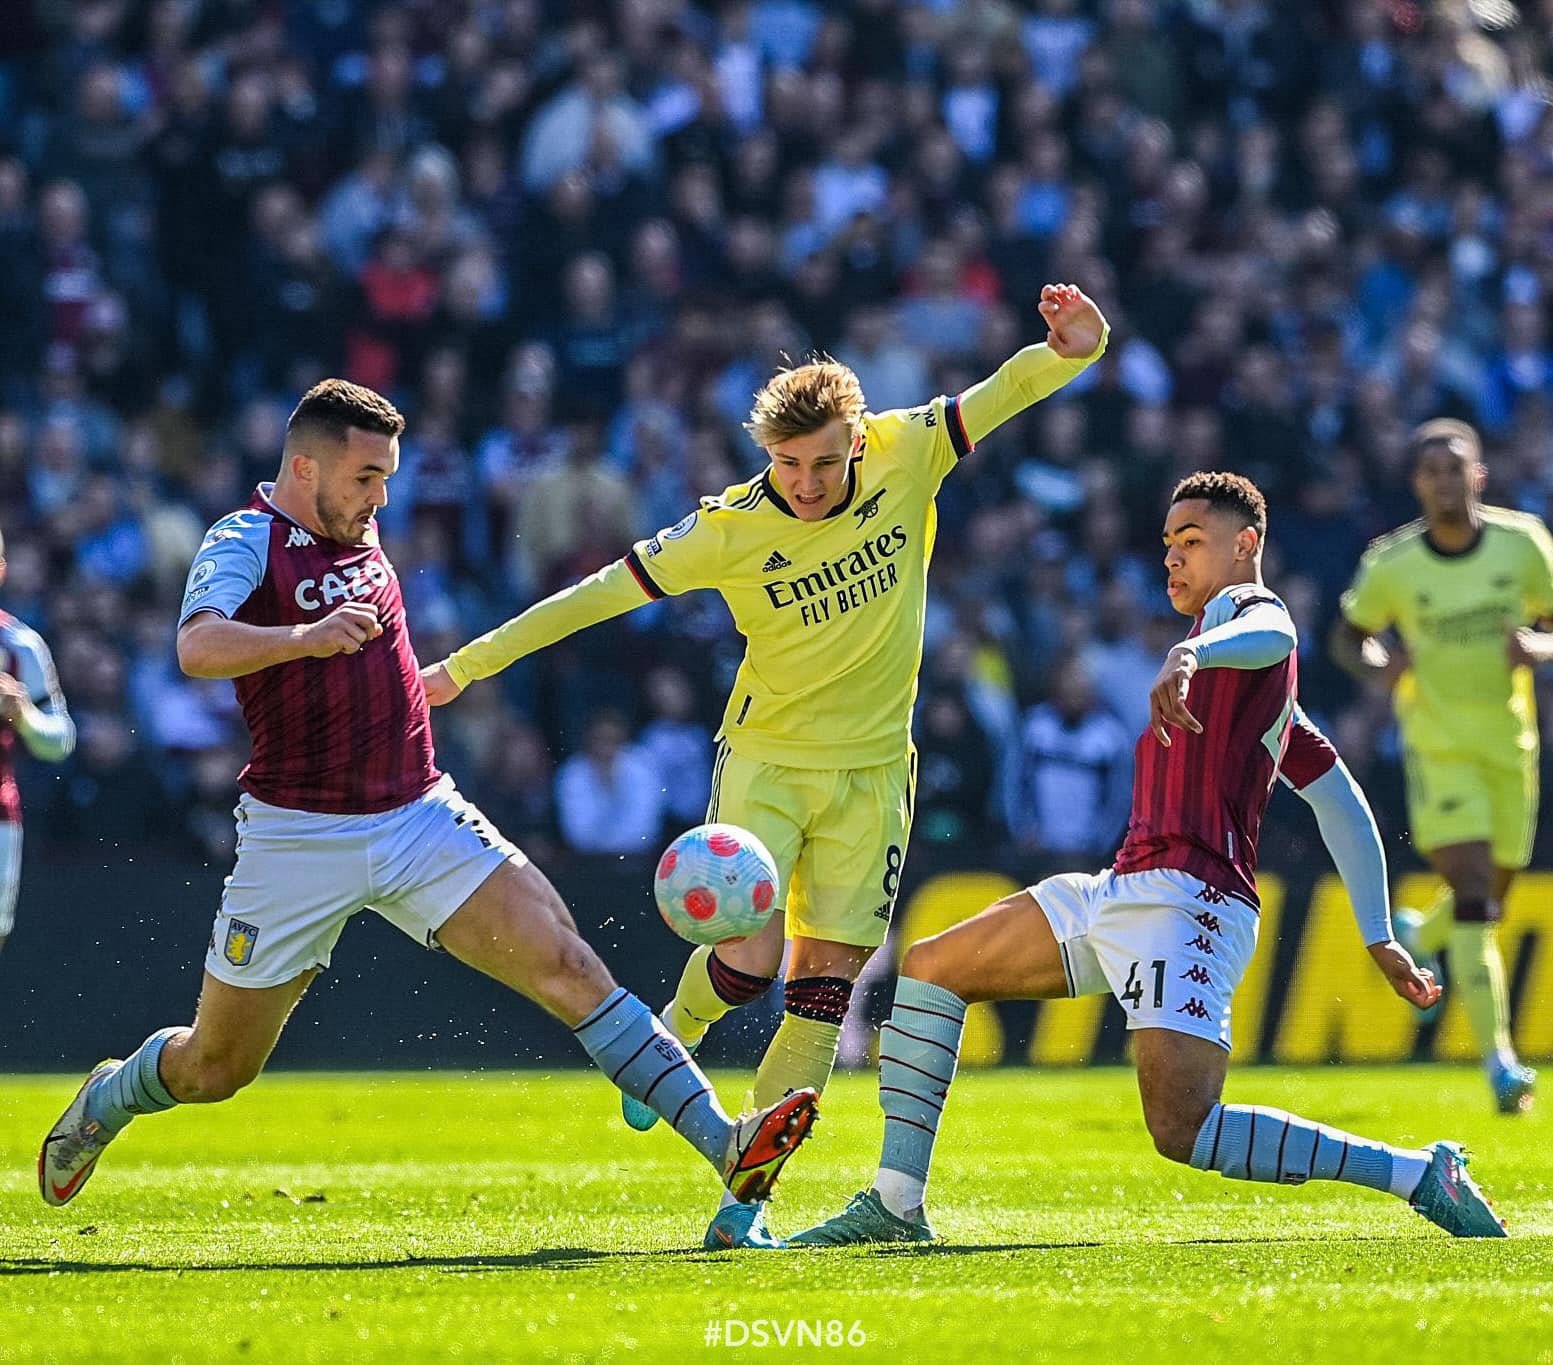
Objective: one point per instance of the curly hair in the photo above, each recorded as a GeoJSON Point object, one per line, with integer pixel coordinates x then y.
{"type": "Point", "coordinates": [333, 406]}
{"type": "Point", "coordinates": [1232, 493]}
{"type": "Point", "coordinates": [803, 399]}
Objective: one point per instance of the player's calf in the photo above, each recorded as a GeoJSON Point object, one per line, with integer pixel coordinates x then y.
{"type": "Point", "coordinates": [197, 1070]}
{"type": "Point", "coordinates": [1174, 1127]}
{"type": "Point", "coordinates": [718, 980]}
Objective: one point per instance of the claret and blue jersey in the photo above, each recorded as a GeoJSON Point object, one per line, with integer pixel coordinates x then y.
{"type": "Point", "coordinates": [350, 734]}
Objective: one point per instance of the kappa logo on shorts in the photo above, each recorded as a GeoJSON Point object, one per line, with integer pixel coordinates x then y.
{"type": "Point", "coordinates": [1212, 895]}
{"type": "Point", "coordinates": [1193, 1007]}
{"type": "Point", "coordinates": [240, 937]}
{"type": "Point", "coordinates": [1198, 973]}
{"type": "Point", "coordinates": [1209, 922]}
{"type": "Point", "coordinates": [1202, 944]}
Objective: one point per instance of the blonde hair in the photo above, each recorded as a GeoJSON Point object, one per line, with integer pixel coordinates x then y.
{"type": "Point", "coordinates": [803, 399]}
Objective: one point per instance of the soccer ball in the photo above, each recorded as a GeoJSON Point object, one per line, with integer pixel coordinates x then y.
{"type": "Point", "coordinates": [715, 884]}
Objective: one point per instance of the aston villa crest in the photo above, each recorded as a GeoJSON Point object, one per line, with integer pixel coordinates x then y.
{"type": "Point", "coordinates": [240, 937]}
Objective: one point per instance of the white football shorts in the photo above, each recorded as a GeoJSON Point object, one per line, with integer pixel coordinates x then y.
{"type": "Point", "coordinates": [1169, 947]}
{"type": "Point", "coordinates": [10, 874]}
{"type": "Point", "coordinates": [300, 875]}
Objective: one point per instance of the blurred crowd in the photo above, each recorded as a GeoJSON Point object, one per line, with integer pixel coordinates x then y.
{"type": "Point", "coordinates": [571, 239]}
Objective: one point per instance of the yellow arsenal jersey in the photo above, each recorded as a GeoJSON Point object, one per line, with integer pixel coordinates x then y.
{"type": "Point", "coordinates": [1454, 613]}
{"type": "Point", "coordinates": [832, 610]}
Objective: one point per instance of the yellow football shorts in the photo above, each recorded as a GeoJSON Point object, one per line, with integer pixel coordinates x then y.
{"type": "Point", "coordinates": [838, 836]}
{"type": "Point", "coordinates": [1462, 799]}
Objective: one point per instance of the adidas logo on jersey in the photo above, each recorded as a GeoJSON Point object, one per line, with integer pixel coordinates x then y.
{"type": "Point", "coordinates": [777, 561]}
{"type": "Point", "coordinates": [298, 537]}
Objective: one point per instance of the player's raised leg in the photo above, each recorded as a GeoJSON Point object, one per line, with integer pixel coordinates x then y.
{"type": "Point", "coordinates": [517, 929]}
{"type": "Point", "coordinates": [1008, 952]}
{"type": "Point", "coordinates": [235, 1030]}
{"type": "Point", "coordinates": [1180, 1080]}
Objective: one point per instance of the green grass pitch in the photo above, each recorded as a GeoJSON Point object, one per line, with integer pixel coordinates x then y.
{"type": "Point", "coordinates": [395, 1217]}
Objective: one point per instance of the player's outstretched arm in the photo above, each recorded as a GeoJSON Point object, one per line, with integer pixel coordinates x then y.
{"type": "Point", "coordinates": [612, 591]}
{"type": "Point", "coordinates": [210, 646]}
{"type": "Point", "coordinates": [1076, 337]}
{"type": "Point", "coordinates": [1364, 656]}
{"type": "Point", "coordinates": [1349, 831]}
{"type": "Point", "coordinates": [1529, 646]}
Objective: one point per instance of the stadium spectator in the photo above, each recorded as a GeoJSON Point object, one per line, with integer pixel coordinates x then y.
{"type": "Point", "coordinates": [1067, 785]}
{"type": "Point", "coordinates": [609, 795]}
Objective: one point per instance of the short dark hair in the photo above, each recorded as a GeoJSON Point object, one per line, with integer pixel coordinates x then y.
{"type": "Point", "coordinates": [333, 406]}
{"type": "Point", "coordinates": [1459, 437]}
{"type": "Point", "coordinates": [1230, 492]}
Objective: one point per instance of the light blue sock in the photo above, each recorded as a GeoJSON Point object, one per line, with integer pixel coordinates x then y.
{"type": "Point", "coordinates": [650, 1064]}
{"type": "Point", "coordinates": [1250, 1142]}
{"type": "Point", "coordinates": [919, 1046]}
{"type": "Point", "coordinates": [134, 1087]}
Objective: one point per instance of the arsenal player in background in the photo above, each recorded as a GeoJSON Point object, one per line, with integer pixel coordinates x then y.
{"type": "Point", "coordinates": [1170, 928]}
{"type": "Point", "coordinates": [343, 807]}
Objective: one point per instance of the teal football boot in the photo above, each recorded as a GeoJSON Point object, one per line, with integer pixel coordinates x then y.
{"type": "Point", "coordinates": [1449, 1198]}
{"type": "Point", "coordinates": [865, 1219]}
{"type": "Point", "coordinates": [1513, 1087]}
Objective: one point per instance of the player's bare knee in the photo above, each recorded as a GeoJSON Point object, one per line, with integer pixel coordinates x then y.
{"type": "Point", "coordinates": [925, 960]}
{"type": "Point", "coordinates": [567, 963]}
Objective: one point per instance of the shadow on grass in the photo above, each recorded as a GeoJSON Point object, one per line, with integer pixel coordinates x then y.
{"type": "Point", "coordinates": [546, 1258]}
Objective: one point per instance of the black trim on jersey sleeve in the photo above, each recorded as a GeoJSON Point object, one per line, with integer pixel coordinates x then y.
{"type": "Point", "coordinates": [1246, 604]}
{"type": "Point", "coordinates": [959, 438]}
{"type": "Point", "coordinates": [633, 562]}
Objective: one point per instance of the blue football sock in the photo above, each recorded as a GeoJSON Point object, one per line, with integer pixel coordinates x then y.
{"type": "Point", "coordinates": [650, 1064]}
{"type": "Point", "coordinates": [919, 1046]}
{"type": "Point", "coordinates": [1250, 1142]}
{"type": "Point", "coordinates": [134, 1087]}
